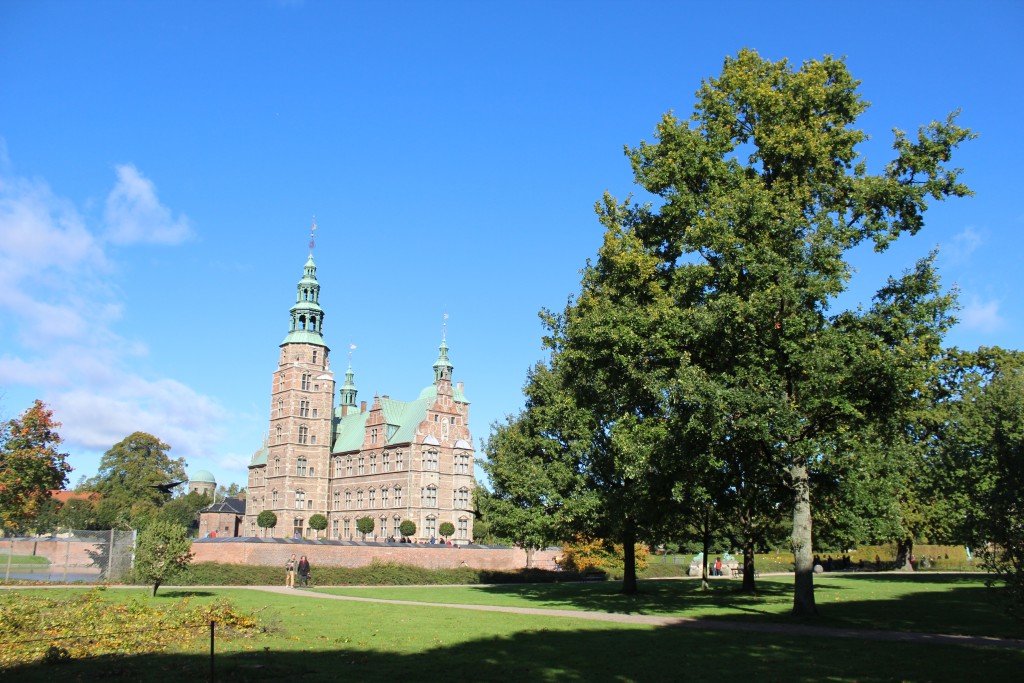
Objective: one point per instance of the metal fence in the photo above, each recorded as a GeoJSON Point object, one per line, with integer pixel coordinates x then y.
{"type": "Point", "coordinates": [68, 557]}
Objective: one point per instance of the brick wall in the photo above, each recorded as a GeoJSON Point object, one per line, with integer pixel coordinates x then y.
{"type": "Point", "coordinates": [270, 553]}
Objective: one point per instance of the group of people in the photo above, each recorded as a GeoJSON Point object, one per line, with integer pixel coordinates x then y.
{"type": "Point", "coordinates": [291, 568]}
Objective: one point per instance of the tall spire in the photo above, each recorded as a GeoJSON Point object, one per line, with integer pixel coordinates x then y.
{"type": "Point", "coordinates": [443, 367]}
{"type": "Point", "coordinates": [348, 389]}
{"type": "Point", "coordinates": [307, 318]}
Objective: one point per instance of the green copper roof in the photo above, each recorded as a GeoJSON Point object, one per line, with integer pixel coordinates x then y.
{"type": "Point", "coordinates": [259, 457]}
{"type": "Point", "coordinates": [351, 431]}
{"type": "Point", "coordinates": [204, 477]}
{"type": "Point", "coordinates": [430, 391]}
{"type": "Point", "coordinates": [304, 337]}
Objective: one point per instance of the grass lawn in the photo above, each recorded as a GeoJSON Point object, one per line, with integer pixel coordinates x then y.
{"type": "Point", "coordinates": [931, 603]}
{"type": "Point", "coordinates": [319, 639]}
{"type": "Point", "coordinates": [22, 559]}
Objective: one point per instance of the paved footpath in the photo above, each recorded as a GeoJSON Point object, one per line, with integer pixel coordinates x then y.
{"type": "Point", "coordinates": [681, 622]}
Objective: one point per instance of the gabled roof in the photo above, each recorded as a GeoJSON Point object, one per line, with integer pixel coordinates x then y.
{"type": "Point", "coordinates": [401, 420]}
{"type": "Point", "coordinates": [234, 506]}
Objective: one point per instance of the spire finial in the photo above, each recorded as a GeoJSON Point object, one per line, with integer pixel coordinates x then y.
{"type": "Point", "coordinates": [312, 236]}
{"type": "Point", "coordinates": [444, 326]}
{"type": "Point", "coordinates": [351, 347]}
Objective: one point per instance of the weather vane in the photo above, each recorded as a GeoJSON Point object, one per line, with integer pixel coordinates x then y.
{"type": "Point", "coordinates": [444, 327]}
{"type": "Point", "coordinates": [312, 236]}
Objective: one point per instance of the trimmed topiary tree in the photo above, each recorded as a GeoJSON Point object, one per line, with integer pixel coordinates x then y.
{"type": "Point", "coordinates": [162, 549]}
{"type": "Point", "coordinates": [364, 525]}
{"type": "Point", "coordinates": [407, 528]}
{"type": "Point", "coordinates": [266, 520]}
{"type": "Point", "coordinates": [318, 523]}
{"type": "Point", "coordinates": [446, 529]}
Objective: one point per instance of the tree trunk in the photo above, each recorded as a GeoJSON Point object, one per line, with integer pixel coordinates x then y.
{"type": "Point", "coordinates": [529, 556]}
{"type": "Point", "coordinates": [705, 548]}
{"type": "Point", "coordinates": [803, 587]}
{"type": "Point", "coordinates": [629, 560]}
{"type": "Point", "coordinates": [904, 551]}
{"type": "Point", "coordinates": [748, 558]}
{"type": "Point", "coordinates": [156, 584]}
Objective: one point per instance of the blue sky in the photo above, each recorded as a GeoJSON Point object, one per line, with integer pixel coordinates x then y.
{"type": "Point", "coordinates": [160, 164]}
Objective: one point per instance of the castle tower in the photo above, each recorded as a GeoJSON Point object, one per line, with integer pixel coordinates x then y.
{"type": "Point", "coordinates": [297, 454]}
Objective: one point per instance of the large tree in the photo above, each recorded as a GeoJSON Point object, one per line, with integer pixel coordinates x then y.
{"type": "Point", "coordinates": [30, 465]}
{"type": "Point", "coordinates": [131, 474]}
{"type": "Point", "coordinates": [162, 551]}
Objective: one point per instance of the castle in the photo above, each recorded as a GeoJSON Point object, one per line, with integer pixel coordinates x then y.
{"type": "Point", "coordinates": [396, 461]}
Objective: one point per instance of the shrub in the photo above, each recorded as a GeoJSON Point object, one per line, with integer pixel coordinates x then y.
{"type": "Point", "coordinates": [446, 529]}
{"type": "Point", "coordinates": [318, 523]}
{"type": "Point", "coordinates": [407, 528]}
{"type": "Point", "coordinates": [585, 554]}
{"type": "Point", "coordinates": [163, 549]}
{"type": "Point", "coordinates": [266, 520]}
{"type": "Point", "coordinates": [364, 525]}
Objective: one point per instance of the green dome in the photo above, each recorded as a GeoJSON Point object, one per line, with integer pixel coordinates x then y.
{"type": "Point", "coordinates": [202, 476]}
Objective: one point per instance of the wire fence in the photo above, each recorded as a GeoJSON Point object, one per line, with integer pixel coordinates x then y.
{"type": "Point", "coordinates": [68, 557]}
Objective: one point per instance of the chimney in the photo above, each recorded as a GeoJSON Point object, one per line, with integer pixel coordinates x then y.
{"type": "Point", "coordinates": [385, 396]}
{"type": "Point", "coordinates": [362, 406]}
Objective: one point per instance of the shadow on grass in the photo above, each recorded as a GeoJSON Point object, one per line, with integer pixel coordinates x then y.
{"type": "Point", "coordinates": [184, 594]}
{"type": "Point", "coordinates": [600, 654]}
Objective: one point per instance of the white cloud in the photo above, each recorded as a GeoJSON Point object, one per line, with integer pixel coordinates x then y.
{"type": "Point", "coordinates": [982, 316]}
{"type": "Point", "coordinates": [964, 244]}
{"type": "Point", "coordinates": [59, 309]}
{"type": "Point", "coordinates": [134, 214]}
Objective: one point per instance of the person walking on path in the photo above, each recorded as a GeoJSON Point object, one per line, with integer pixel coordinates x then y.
{"type": "Point", "coordinates": [289, 572]}
{"type": "Point", "coordinates": [303, 572]}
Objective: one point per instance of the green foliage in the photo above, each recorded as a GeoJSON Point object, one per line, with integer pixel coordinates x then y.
{"type": "Point", "coordinates": [49, 629]}
{"type": "Point", "coordinates": [365, 525]}
{"type": "Point", "coordinates": [128, 477]}
{"type": "Point", "coordinates": [445, 529]}
{"type": "Point", "coordinates": [584, 554]}
{"type": "Point", "coordinates": [407, 528]}
{"type": "Point", "coordinates": [184, 510]}
{"type": "Point", "coordinates": [30, 466]}
{"type": "Point", "coordinates": [377, 573]}
{"type": "Point", "coordinates": [318, 523]}
{"type": "Point", "coordinates": [163, 549]}
{"type": "Point", "coordinates": [266, 520]}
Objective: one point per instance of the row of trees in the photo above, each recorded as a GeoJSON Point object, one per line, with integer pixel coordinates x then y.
{"type": "Point", "coordinates": [131, 486]}
{"type": "Point", "coordinates": [703, 376]}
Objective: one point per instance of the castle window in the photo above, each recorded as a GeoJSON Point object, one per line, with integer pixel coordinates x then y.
{"type": "Point", "coordinates": [316, 387]}
{"type": "Point", "coordinates": [373, 497]}
{"type": "Point", "coordinates": [461, 499]}
{"type": "Point", "coordinates": [431, 526]}
{"type": "Point", "coordinates": [348, 500]}
{"type": "Point", "coordinates": [300, 499]}
{"type": "Point", "coordinates": [398, 496]}
{"type": "Point", "coordinates": [314, 412]}
{"type": "Point", "coordinates": [398, 461]}
{"type": "Point", "coordinates": [277, 465]}
{"type": "Point", "coordinates": [463, 527]}
{"type": "Point", "coordinates": [280, 382]}
{"type": "Point", "coordinates": [384, 498]}
{"type": "Point", "coordinates": [278, 434]}
{"type": "Point", "coordinates": [430, 460]}
{"type": "Point", "coordinates": [300, 467]}
{"type": "Point", "coordinates": [362, 468]}
{"type": "Point", "coordinates": [280, 408]}
{"type": "Point", "coordinates": [306, 382]}
{"type": "Point", "coordinates": [385, 461]}
{"type": "Point", "coordinates": [430, 496]}
{"type": "Point", "coordinates": [373, 435]}
{"type": "Point", "coordinates": [297, 527]}
{"type": "Point", "coordinates": [373, 464]}
{"type": "Point", "coordinates": [337, 501]}
{"type": "Point", "coordinates": [303, 434]}
{"type": "Point", "coordinates": [359, 499]}
{"type": "Point", "coordinates": [337, 467]}
{"type": "Point", "coordinates": [303, 408]}
{"type": "Point", "coordinates": [348, 466]}
{"type": "Point", "coordinates": [348, 528]}
{"type": "Point", "coordinates": [334, 529]}
{"type": "Point", "coordinates": [273, 498]}
{"type": "Point", "coordinates": [312, 439]}
{"type": "Point", "coordinates": [461, 464]}
{"type": "Point", "coordinates": [314, 357]}
{"type": "Point", "coordinates": [452, 418]}
{"type": "Point", "coordinates": [396, 526]}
